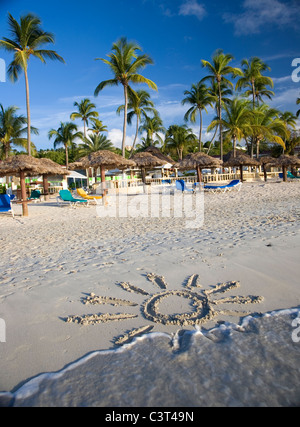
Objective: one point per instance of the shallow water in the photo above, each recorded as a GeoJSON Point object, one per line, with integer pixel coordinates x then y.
{"type": "Point", "coordinates": [255, 363]}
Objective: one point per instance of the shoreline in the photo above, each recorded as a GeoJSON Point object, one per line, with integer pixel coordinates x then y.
{"type": "Point", "coordinates": [59, 256]}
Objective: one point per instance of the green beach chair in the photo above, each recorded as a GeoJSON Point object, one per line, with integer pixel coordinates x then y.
{"type": "Point", "coordinates": [65, 197]}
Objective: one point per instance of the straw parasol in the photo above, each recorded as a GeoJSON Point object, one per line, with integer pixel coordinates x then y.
{"type": "Point", "coordinates": [146, 160]}
{"type": "Point", "coordinates": [157, 153]}
{"type": "Point", "coordinates": [53, 169]}
{"type": "Point", "coordinates": [22, 166]}
{"type": "Point", "coordinates": [199, 161]}
{"type": "Point", "coordinates": [285, 162]}
{"type": "Point", "coordinates": [240, 161]}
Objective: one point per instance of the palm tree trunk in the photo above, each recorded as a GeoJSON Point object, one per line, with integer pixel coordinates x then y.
{"type": "Point", "coordinates": [125, 120]}
{"type": "Point", "coordinates": [136, 135]}
{"type": "Point", "coordinates": [220, 118]}
{"type": "Point", "coordinates": [28, 113]}
{"type": "Point", "coordinates": [234, 146]}
{"type": "Point", "coordinates": [200, 134]}
{"type": "Point", "coordinates": [211, 142]}
{"type": "Point", "coordinates": [257, 148]}
{"type": "Point", "coordinates": [84, 128]}
{"type": "Point", "coordinates": [253, 93]}
{"type": "Point", "coordinates": [67, 157]}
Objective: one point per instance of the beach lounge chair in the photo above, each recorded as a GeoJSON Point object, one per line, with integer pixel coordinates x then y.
{"type": "Point", "coordinates": [181, 185]}
{"type": "Point", "coordinates": [65, 197]}
{"type": "Point", "coordinates": [84, 195]}
{"type": "Point", "coordinates": [291, 176]}
{"type": "Point", "coordinates": [5, 204]}
{"type": "Point", "coordinates": [233, 185]}
{"type": "Point", "coordinates": [166, 181]}
{"type": "Point", "coordinates": [35, 196]}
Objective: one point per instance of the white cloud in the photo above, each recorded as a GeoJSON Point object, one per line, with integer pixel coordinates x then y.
{"type": "Point", "coordinates": [116, 136]}
{"type": "Point", "coordinates": [260, 13]}
{"type": "Point", "coordinates": [192, 8]}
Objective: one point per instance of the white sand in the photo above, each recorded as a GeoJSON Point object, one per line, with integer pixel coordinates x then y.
{"type": "Point", "coordinates": [53, 260]}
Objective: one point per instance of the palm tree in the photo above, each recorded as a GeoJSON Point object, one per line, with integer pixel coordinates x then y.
{"type": "Point", "coordinates": [298, 102]}
{"type": "Point", "coordinates": [153, 126]}
{"type": "Point", "coordinates": [12, 129]}
{"type": "Point", "coordinates": [139, 104]}
{"type": "Point", "coordinates": [198, 97]}
{"type": "Point", "coordinates": [219, 68]}
{"type": "Point", "coordinates": [252, 76]}
{"type": "Point", "coordinates": [290, 120]}
{"type": "Point", "coordinates": [27, 40]}
{"type": "Point", "coordinates": [125, 63]}
{"type": "Point", "coordinates": [260, 92]}
{"type": "Point", "coordinates": [179, 139]}
{"type": "Point", "coordinates": [236, 123]}
{"type": "Point", "coordinates": [97, 126]}
{"type": "Point", "coordinates": [266, 124]}
{"type": "Point", "coordinates": [94, 143]}
{"type": "Point", "coordinates": [65, 135]}
{"type": "Point", "coordinates": [86, 111]}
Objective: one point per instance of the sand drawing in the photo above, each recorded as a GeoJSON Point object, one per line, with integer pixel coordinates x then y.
{"type": "Point", "coordinates": [204, 305]}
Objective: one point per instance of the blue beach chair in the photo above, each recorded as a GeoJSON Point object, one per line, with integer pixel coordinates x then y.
{"type": "Point", "coordinates": [235, 184]}
{"type": "Point", "coordinates": [181, 186]}
{"type": "Point", "coordinates": [5, 204]}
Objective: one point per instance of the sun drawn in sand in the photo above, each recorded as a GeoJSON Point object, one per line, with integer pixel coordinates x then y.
{"type": "Point", "coordinates": [204, 305]}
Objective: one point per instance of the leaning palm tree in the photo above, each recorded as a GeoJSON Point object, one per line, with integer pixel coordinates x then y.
{"type": "Point", "coordinates": [27, 40]}
{"type": "Point", "coordinates": [252, 76]}
{"type": "Point", "coordinates": [236, 122]}
{"type": "Point", "coordinates": [12, 130]}
{"type": "Point", "coordinates": [86, 111]}
{"type": "Point", "coordinates": [139, 104]}
{"type": "Point", "coordinates": [125, 63]}
{"type": "Point", "coordinates": [219, 68]}
{"type": "Point", "coordinates": [65, 135]}
{"type": "Point", "coordinates": [199, 98]}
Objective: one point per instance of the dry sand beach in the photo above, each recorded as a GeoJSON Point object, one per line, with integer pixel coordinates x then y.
{"type": "Point", "coordinates": [151, 310]}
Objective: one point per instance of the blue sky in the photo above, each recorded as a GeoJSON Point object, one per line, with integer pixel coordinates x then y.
{"type": "Point", "coordinates": [177, 34]}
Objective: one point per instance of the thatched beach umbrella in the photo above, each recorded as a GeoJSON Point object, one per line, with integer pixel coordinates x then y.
{"type": "Point", "coordinates": [285, 162]}
{"type": "Point", "coordinates": [23, 166]}
{"type": "Point", "coordinates": [157, 153]}
{"type": "Point", "coordinates": [240, 161]}
{"type": "Point", "coordinates": [53, 169]}
{"type": "Point", "coordinates": [146, 160]}
{"type": "Point", "coordinates": [105, 160]}
{"type": "Point", "coordinates": [199, 161]}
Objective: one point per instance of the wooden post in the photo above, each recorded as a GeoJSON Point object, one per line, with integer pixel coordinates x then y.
{"type": "Point", "coordinates": [46, 187]}
{"type": "Point", "coordinates": [23, 194]}
{"type": "Point", "coordinates": [284, 170]}
{"type": "Point", "coordinates": [242, 173]}
{"type": "Point", "coordinates": [199, 174]}
{"type": "Point", "coordinates": [103, 183]}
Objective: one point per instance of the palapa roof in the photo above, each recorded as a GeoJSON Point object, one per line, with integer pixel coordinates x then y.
{"type": "Point", "coordinates": [285, 160]}
{"type": "Point", "coordinates": [146, 160]}
{"type": "Point", "coordinates": [202, 160]}
{"type": "Point", "coordinates": [76, 166]}
{"type": "Point", "coordinates": [241, 159]}
{"type": "Point", "coordinates": [157, 153]}
{"type": "Point", "coordinates": [267, 160]}
{"type": "Point", "coordinates": [31, 166]}
{"type": "Point", "coordinates": [105, 158]}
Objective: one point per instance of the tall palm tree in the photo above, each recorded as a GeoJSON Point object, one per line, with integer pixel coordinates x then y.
{"type": "Point", "coordinates": [125, 63]}
{"type": "Point", "coordinates": [252, 76]}
{"type": "Point", "coordinates": [65, 135]}
{"type": "Point", "coordinates": [27, 40]}
{"type": "Point", "coordinates": [260, 92]}
{"type": "Point", "coordinates": [218, 69]}
{"type": "Point", "coordinates": [139, 104]}
{"type": "Point", "coordinates": [236, 123]}
{"type": "Point", "coordinates": [12, 130]}
{"type": "Point", "coordinates": [86, 111]}
{"type": "Point", "coordinates": [199, 98]}
{"type": "Point", "coordinates": [179, 139]}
